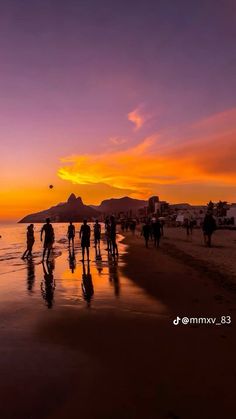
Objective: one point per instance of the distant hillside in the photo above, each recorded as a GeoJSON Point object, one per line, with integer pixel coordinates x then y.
{"type": "Point", "coordinates": [180, 206]}
{"type": "Point", "coordinates": [186, 206]}
{"type": "Point", "coordinates": [116, 205]}
{"type": "Point", "coordinates": [72, 210]}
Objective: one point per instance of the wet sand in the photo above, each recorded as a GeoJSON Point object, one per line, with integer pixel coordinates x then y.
{"type": "Point", "coordinates": [114, 362]}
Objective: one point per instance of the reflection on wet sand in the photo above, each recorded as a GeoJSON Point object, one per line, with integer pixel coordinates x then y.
{"type": "Point", "coordinates": [98, 259]}
{"type": "Point", "coordinates": [87, 283]}
{"type": "Point", "coordinates": [98, 255]}
{"type": "Point", "coordinates": [30, 275]}
{"type": "Point", "coordinates": [97, 283]}
{"type": "Point", "coordinates": [72, 260]}
{"type": "Point", "coordinates": [48, 285]}
{"type": "Point", "coordinates": [114, 274]}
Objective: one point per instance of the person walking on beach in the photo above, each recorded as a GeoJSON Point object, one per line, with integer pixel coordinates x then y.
{"type": "Point", "coordinates": [71, 234]}
{"type": "Point", "coordinates": [133, 226]}
{"type": "Point", "coordinates": [122, 224]}
{"type": "Point", "coordinates": [146, 233]}
{"type": "Point", "coordinates": [30, 242]}
{"type": "Point", "coordinates": [156, 228]}
{"type": "Point", "coordinates": [48, 238]}
{"type": "Point", "coordinates": [97, 233]}
{"type": "Point", "coordinates": [191, 225]}
{"type": "Point", "coordinates": [209, 226]}
{"type": "Point", "coordinates": [113, 236]}
{"type": "Point", "coordinates": [162, 227]}
{"type": "Point", "coordinates": [187, 225]}
{"type": "Point", "coordinates": [84, 235]}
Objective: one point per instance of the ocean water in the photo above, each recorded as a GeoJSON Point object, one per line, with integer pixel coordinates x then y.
{"type": "Point", "coordinates": [66, 282]}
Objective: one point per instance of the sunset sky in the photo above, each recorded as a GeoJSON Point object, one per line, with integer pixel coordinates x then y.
{"type": "Point", "coordinates": [110, 98]}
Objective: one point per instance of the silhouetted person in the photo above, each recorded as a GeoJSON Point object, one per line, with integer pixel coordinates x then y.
{"type": "Point", "coordinates": [187, 226]}
{"type": "Point", "coordinates": [150, 223]}
{"type": "Point", "coordinates": [71, 233]}
{"type": "Point", "coordinates": [122, 224]}
{"type": "Point", "coordinates": [97, 233]}
{"type": "Point", "coordinates": [133, 226]}
{"type": "Point", "coordinates": [87, 284]}
{"type": "Point", "coordinates": [30, 275]}
{"type": "Point", "coordinates": [49, 237]}
{"type": "Point", "coordinates": [48, 285]}
{"type": "Point", "coordinates": [108, 234]}
{"type": "Point", "coordinates": [30, 242]}
{"type": "Point", "coordinates": [72, 261]}
{"type": "Point", "coordinates": [156, 228]}
{"type": "Point", "coordinates": [84, 234]}
{"type": "Point", "coordinates": [191, 225]}
{"type": "Point", "coordinates": [113, 236]}
{"type": "Point", "coordinates": [209, 226]}
{"type": "Point", "coordinates": [146, 233]}
{"type": "Point", "coordinates": [162, 227]}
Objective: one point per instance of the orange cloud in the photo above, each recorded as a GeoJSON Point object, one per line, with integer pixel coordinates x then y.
{"type": "Point", "coordinates": [208, 161]}
{"type": "Point", "coordinates": [136, 118]}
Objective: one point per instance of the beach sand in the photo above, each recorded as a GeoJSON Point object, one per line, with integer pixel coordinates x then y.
{"type": "Point", "coordinates": [107, 363]}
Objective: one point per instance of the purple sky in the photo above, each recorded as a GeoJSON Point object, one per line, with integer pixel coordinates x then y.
{"type": "Point", "coordinates": [71, 72]}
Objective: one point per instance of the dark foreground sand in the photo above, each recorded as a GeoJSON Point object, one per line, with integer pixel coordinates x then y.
{"type": "Point", "coordinates": [127, 366]}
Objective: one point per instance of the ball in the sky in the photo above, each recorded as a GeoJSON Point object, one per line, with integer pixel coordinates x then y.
{"type": "Point", "coordinates": [50, 186]}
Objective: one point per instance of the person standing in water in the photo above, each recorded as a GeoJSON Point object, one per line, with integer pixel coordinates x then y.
{"type": "Point", "coordinates": [48, 238]}
{"type": "Point", "coordinates": [84, 235]}
{"type": "Point", "coordinates": [97, 233]}
{"type": "Point", "coordinates": [71, 234]}
{"type": "Point", "coordinates": [108, 234]}
{"type": "Point", "coordinates": [30, 242]}
{"type": "Point", "coordinates": [113, 236]}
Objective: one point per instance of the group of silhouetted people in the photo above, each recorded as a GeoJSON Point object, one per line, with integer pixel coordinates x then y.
{"type": "Point", "coordinates": [152, 229]}
{"type": "Point", "coordinates": [47, 232]}
{"type": "Point", "coordinates": [110, 234]}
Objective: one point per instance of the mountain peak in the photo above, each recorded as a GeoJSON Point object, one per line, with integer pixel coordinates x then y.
{"type": "Point", "coordinates": [72, 198]}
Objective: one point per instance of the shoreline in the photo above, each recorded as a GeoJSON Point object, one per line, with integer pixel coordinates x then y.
{"type": "Point", "coordinates": [169, 268]}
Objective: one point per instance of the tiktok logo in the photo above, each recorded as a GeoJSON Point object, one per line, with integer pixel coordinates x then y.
{"type": "Point", "coordinates": [176, 321]}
